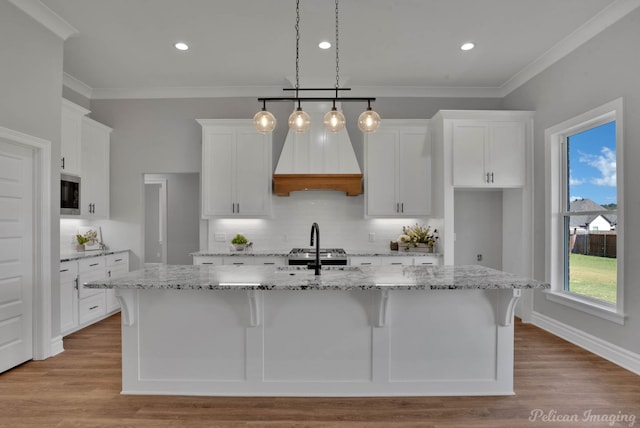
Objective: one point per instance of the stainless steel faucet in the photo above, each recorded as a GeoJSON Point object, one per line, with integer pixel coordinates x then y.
{"type": "Point", "coordinates": [315, 228]}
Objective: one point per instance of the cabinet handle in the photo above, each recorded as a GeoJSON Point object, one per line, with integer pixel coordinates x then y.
{"type": "Point", "coordinates": [397, 207]}
{"type": "Point", "coordinates": [109, 273]}
{"type": "Point", "coordinates": [238, 208]}
{"type": "Point", "coordinates": [238, 263]}
{"type": "Point", "coordinates": [268, 263]}
{"type": "Point", "coordinates": [76, 282]}
{"type": "Point", "coordinates": [402, 207]}
{"type": "Point", "coordinates": [62, 162]}
{"type": "Point", "coordinates": [365, 263]}
{"type": "Point", "coordinates": [492, 177]}
{"type": "Point", "coordinates": [487, 179]}
{"type": "Point", "coordinates": [64, 270]}
{"type": "Point", "coordinates": [93, 307]}
{"type": "Point", "coordinates": [396, 263]}
{"type": "Point", "coordinates": [118, 260]}
{"type": "Point", "coordinates": [94, 264]}
{"type": "Point", "coordinates": [207, 263]}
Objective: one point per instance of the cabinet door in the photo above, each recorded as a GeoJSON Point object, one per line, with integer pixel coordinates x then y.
{"type": "Point", "coordinates": [71, 137]}
{"type": "Point", "coordinates": [68, 296]}
{"type": "Point", "coordinates": [469, 141]}
{"type": "Point", "coordinates": [414, 172]}
{"type": "Point", "coordinates": [381, 172]}
{"type": "Point", "coordinates": [218, 180]}
{"type": "Point", "coordinates": [506, 154]}
{"type": "Point", "coordinates": [252, 174]}
{"type": "Point", "coordinates": [95, 169]}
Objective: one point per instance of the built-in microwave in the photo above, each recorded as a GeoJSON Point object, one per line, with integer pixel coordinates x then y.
{"type": "Point", "coordinates": [69, 194]}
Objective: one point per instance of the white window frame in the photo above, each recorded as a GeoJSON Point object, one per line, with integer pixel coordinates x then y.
{"type": "Point", "coordinates": [555, 186]}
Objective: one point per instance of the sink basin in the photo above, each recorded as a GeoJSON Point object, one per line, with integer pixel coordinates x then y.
{"type": "Point", "coordinates": [324, 268]}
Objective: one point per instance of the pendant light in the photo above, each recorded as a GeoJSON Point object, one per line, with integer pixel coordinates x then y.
{"type": "Point", "coordinates": [334, 120]}
{"type": "Point", "coordinates": [299, 120]}
{"type": "Point", "coordinates": [264, 121]}
{"type": "Point", "coordinates": [369, 120]}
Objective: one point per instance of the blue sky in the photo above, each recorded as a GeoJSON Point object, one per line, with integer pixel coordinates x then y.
{"type": "Point", "coordinates": [592, 164]}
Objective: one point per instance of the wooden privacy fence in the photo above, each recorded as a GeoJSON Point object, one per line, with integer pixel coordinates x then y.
{"type": "Point", "coordinates": [595, 244]}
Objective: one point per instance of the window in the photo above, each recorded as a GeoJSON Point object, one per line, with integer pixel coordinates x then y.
{"type": "Point", "coordinates": [584, 223]}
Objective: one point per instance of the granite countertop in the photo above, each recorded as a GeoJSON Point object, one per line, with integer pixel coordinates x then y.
{"type": "Point", "coordinates": [71, 256]}
{"type": "Point", "coordinates": [198, 277]}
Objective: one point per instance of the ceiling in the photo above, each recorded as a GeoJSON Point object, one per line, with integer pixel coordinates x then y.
{"type": "Point", "coordinates": [124, 48]}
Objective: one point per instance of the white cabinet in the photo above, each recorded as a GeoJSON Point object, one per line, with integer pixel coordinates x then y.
{"type": "Point", "coordinates": [236, 169]}
{"type": "Point", "coordinates": [95, 169]}
{"type": "Point", "coordinates": [68, 296]}
{"type": "Point", "coordinates": [408, 260]}
{"type": "Point", "coordinates": [488, 153]}
{"type": "Point", "coordinates": [80, 306]}
{"type": "Point", "coordinates": [240, 260]}
{"type": "Point", "coordinates": [116, 264]}
{"type": "Point", "coordinates": [398, 169]}
{"type": "Point", "coordinates": [71, 137]}
{"type": "Point", "coordinates": [208, 260]}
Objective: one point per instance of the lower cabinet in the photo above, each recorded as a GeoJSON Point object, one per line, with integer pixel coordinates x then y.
{"type": "Point", "coordinates": [394, 260]}
{"type": "Point", "coordinates": [240, 260]}
{"type": "Point", "coordinates": [80, 306]}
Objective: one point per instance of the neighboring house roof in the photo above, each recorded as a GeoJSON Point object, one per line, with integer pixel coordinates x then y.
{"type": "Point", "coordinates": [585, 220]}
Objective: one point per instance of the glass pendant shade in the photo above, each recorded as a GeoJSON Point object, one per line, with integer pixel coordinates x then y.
{"type": "Point", "coordinates": [299, 121]}
{"type": "Point", "coordinates": [369, 121]}
{"type": "Point", "coordinates": [264, 121]}
{"type": "Point", "coordinates": [334, 120]}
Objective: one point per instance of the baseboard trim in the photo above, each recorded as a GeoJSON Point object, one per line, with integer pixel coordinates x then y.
{"type": "Point", "coordinates": [614, 353]}
{"type": "Point", "coordinates": [56, 345]}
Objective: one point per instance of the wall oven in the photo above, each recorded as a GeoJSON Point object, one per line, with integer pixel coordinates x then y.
{"type": "Point", "coordinates": [69, 194]}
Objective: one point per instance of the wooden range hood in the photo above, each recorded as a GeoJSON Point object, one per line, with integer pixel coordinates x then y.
{"type": "Point", "coordinates": [351, 184]}
{"type": "Point", "coordinates": [317, 159]}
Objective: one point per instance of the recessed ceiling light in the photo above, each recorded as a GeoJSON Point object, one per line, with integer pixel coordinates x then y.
{"type": "Point", "coordinates": [467, 46]}
{"type": "Point", "coordinates": [324, 45]}
{"type": "Point", "coordinates": [181, 46]}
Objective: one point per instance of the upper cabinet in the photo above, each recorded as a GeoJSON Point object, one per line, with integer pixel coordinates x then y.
{"type": "Point", "coordinates": [94, 196]}
{"type": "Point", "coordinates": [488, 153]}
{"type": "Point", "coordinates": [236, 169]}
{"type": "Point", "coordinates": [398, 169]}
{"type": "Point", "coordinates": [71, 137]}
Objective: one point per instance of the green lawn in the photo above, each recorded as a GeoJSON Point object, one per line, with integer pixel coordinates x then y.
{"type": "Point", "coordinates": [593, 276]}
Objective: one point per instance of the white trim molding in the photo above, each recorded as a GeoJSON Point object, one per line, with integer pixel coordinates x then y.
{"type": "Point", "coordinates": [57, 346]}
{"type": "Point", "coordinates": [614, 353]}
{"type": "Point", "coordinates": [77, 85]}
{"type": "Point", "coordinates": [45, 16]}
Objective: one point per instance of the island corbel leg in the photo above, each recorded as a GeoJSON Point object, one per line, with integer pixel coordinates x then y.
{"type": "Point", "coordinates": [507, 300]}
{"type": "Point", "coordinates": [128, 300]}
{"type": "Point", "coordinates": [254, 307]}
{"type": "Point", "coordinates": [382, 308]}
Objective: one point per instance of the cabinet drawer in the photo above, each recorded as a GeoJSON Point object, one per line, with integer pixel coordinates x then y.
{"type": "Point", "coordinates": [119, 259]}
{"type": "Point", "coordinates": [207, 260]}
{"type": "Point", "coordinates": [92, 307]}
{"type": "Point", "coordinates": [396, 260]}
{"type": "Point", "coordinates": [90, 264]}
{"type": "Point", "coordinates": [269, 261]}
{"type": "Point", "coordinates": [426, 261]}
{"type": "Point", "coordinates": [364, 261]}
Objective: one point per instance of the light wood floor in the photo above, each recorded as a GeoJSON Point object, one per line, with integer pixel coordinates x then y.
{"type": "Point", "coordinates": [81, 388]}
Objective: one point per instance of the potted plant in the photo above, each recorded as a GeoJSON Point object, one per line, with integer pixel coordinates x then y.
{"type": "Point", "coordinates": [239, 242]}
{"type": "Point", "coordinates": [418, 238]}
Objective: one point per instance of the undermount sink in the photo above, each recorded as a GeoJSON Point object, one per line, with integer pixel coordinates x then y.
{"type": "Point", "coordinates": [324, 268]}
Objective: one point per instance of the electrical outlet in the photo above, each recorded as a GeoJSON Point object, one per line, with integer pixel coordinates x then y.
{"type": "Point", "coordinates": [372, 237]}
{"type": "Point", "coordinates": [285, 238]}
{"type": "Point", "coordinates": [220, 237]}
{"type": "Point", "coordinates": [479, 257]}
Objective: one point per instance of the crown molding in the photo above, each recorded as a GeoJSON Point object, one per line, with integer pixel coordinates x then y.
{"type": "Point", "coordinates": [45, 16]}
{"type": "Point", "coordinates": [77, 85]}
{"type": "Point", "coordinates": [185, 92]}
{"type": "Point", "coordinates": [608, 16]}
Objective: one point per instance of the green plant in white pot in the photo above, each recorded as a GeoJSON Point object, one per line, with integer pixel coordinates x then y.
{"type": "Point", "coordinates": [239, 242]}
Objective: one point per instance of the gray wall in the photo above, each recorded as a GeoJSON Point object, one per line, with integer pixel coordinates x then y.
{"type": "Point", "coordinates": [30, 91]}
{"type": "Point", "coordinates": [183, 217]}
{"type": "Point", "coordinates": [601, 70]}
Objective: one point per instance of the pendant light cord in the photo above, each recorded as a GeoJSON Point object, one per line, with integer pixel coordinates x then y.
{"type": "Point", "coordinates": [297, 47]}
{"type": "Point", "coordinates": [337, 53]}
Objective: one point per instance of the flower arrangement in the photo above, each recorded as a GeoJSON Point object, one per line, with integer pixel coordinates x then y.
{"type": "Point", "coordinates": [414, 235]}
{"type": "Point", "coordinates": [90, 237]}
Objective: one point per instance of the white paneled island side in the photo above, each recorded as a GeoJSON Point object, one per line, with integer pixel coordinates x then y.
{"type": "Point", "coordinates": [351, 331]}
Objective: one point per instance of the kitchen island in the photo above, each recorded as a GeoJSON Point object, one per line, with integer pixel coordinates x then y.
{"type": "Point", "coordinates": [351, 331]}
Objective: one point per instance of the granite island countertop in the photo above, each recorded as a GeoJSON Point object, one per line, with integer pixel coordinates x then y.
{"type": "Point", "coordinates": [206, 277]}
{"type": "Point", "coordinates": [285, 253]}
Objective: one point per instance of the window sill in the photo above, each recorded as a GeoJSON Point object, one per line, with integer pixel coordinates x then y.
{"type": "Point", "coordinates": [589, 306]}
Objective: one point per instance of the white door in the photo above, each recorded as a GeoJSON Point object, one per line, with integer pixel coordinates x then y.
{"type": "Point", "coordinates": [16, 260]}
